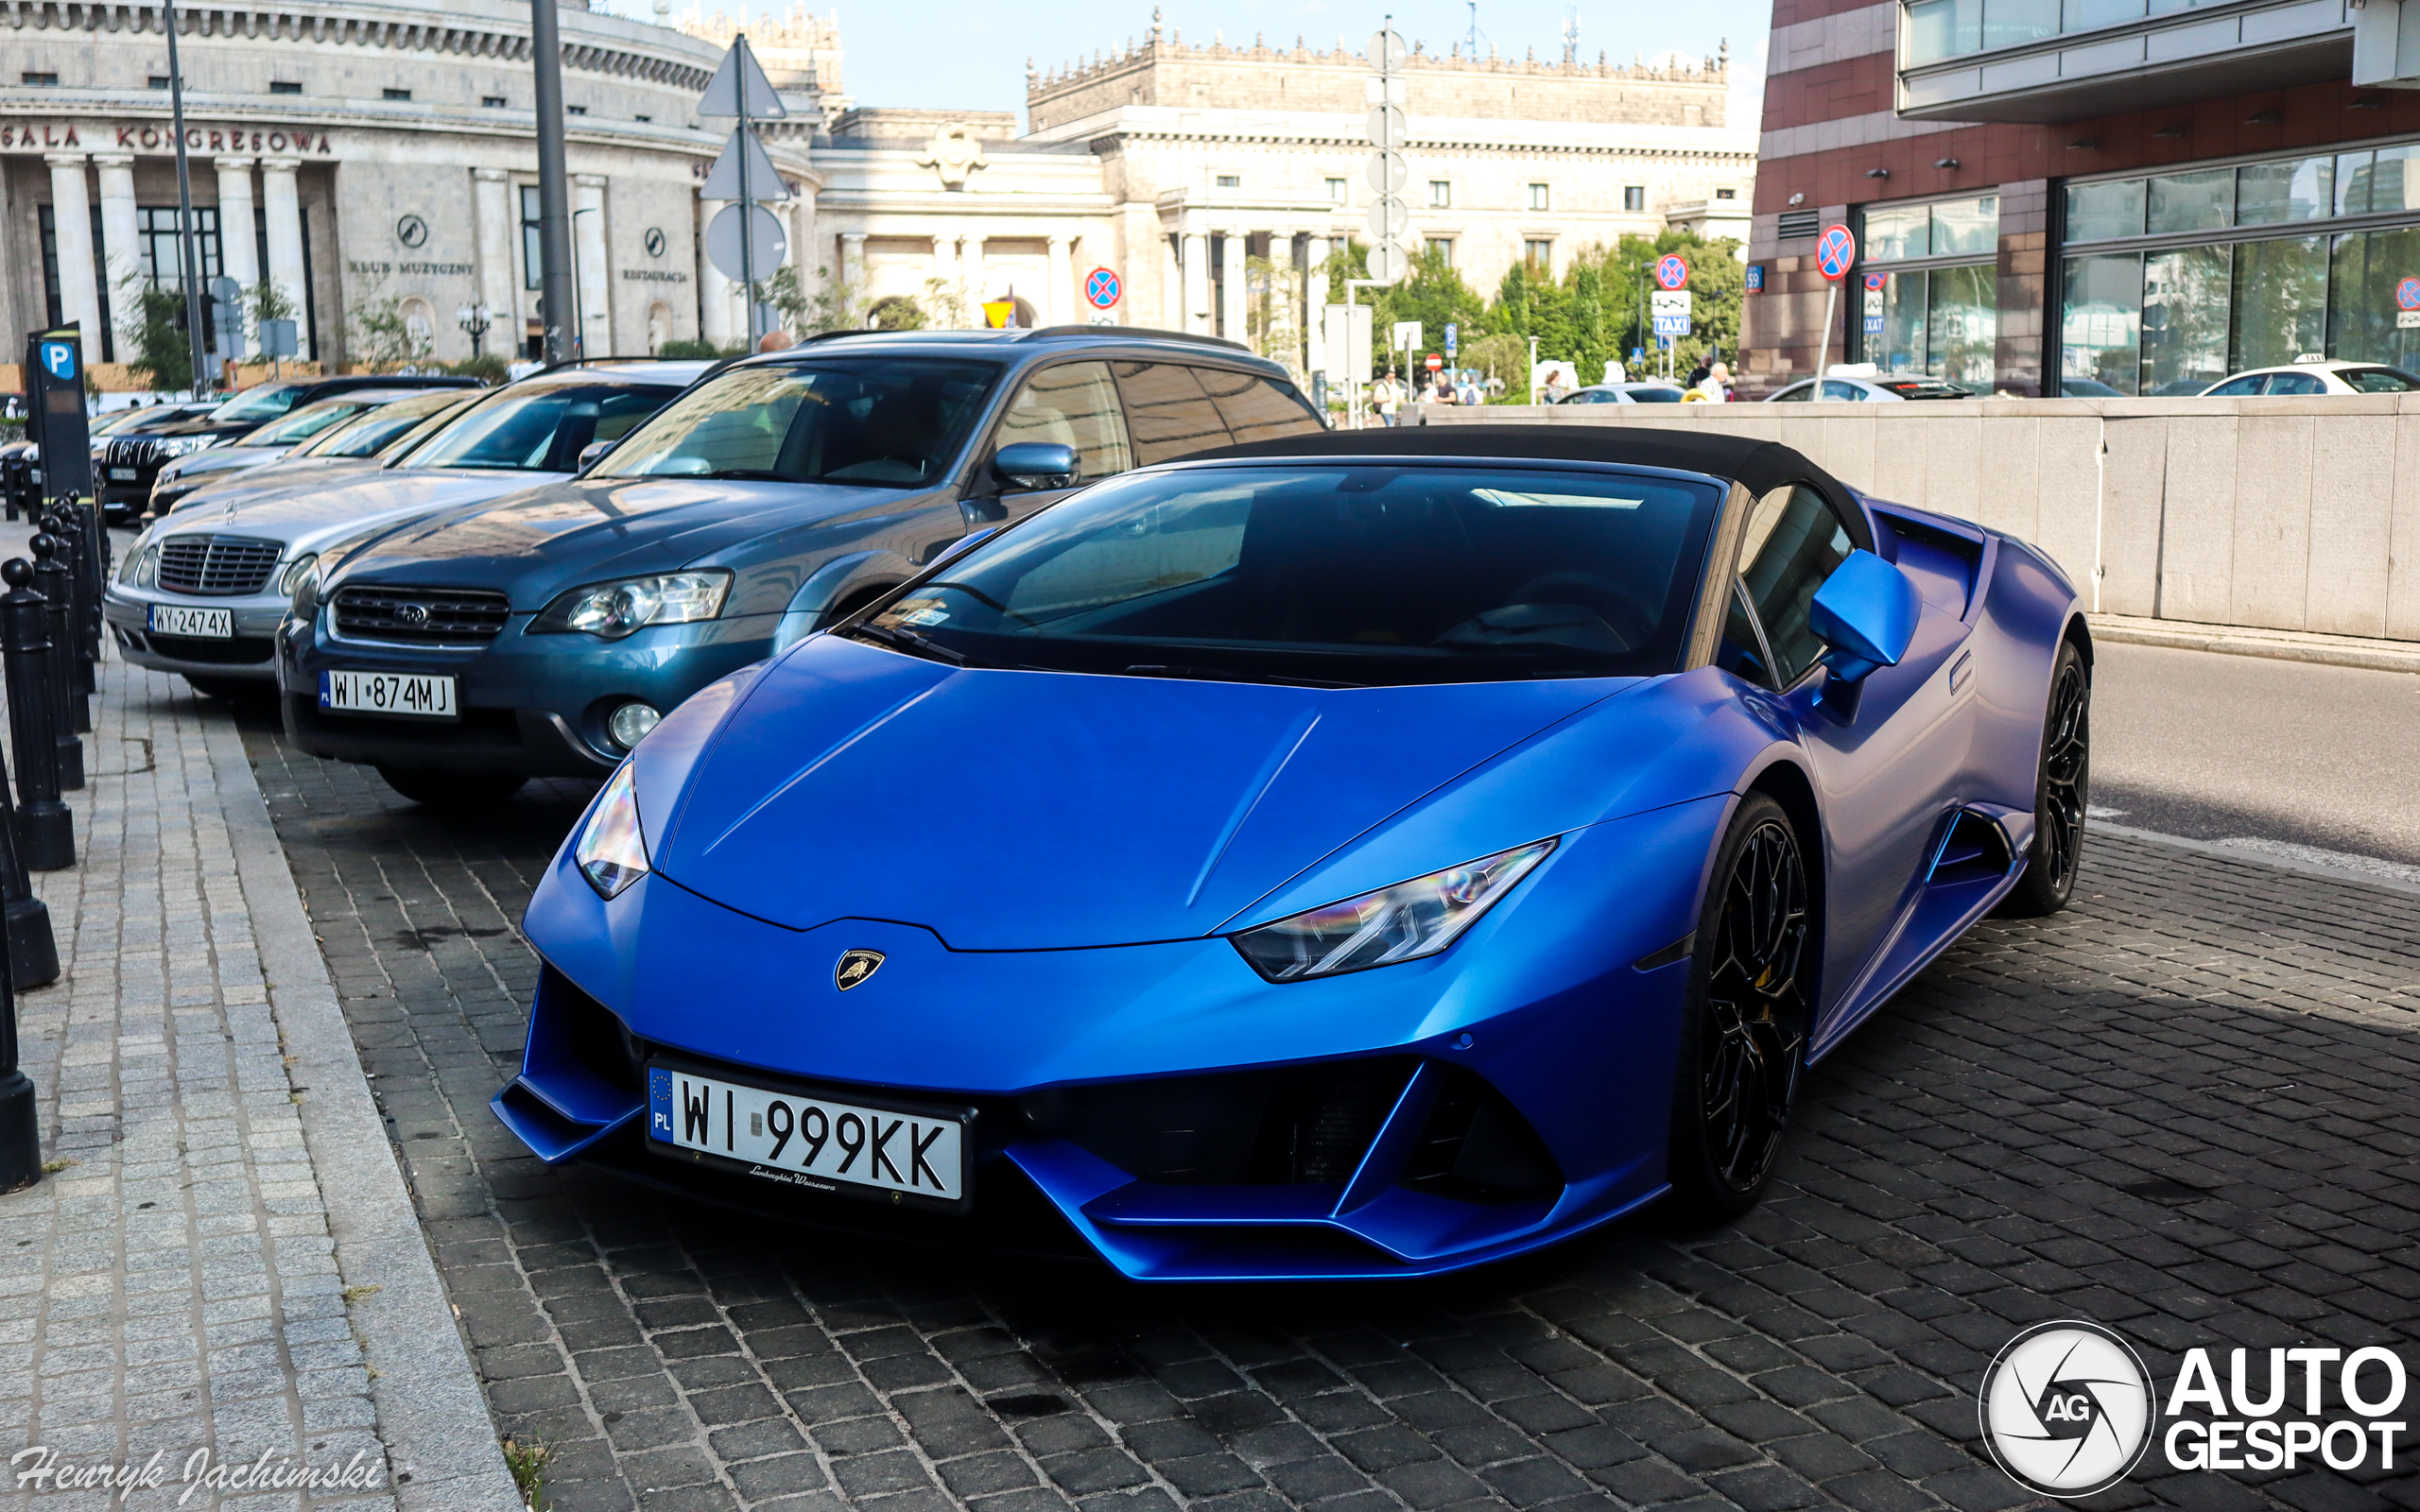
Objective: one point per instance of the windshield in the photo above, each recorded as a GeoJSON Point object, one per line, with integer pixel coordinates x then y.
{"type": "Point", "coordinates": [370, 434]}
{"type": "Point", "coordinates": [1334, 574]}
{"type": "Point", "coordinates": [892, 422]}
{"type": "Point", "coordinates": [540, 427]}
{"type": "Point", "coordinates": [307, 422]}
{"type": "Point", "coordinates": [2378, 380]}
{"type": "Point", "coordinates": [268, 402]}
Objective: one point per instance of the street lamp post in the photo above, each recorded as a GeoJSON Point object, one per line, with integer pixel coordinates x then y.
{"type": "Point", "coordinates": [475, 320]}
{"type": "Point", "coordinates": [554, 182]}
{"type": "Point", "coordinates": [188, 245]}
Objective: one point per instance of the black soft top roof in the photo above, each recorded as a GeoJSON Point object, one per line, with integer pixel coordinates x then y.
{"type": "Point", "coordinates": [1760, 465]}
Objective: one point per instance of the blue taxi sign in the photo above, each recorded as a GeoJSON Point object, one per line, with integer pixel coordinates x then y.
{"type": "Point", "coordinates": [1835, 250]}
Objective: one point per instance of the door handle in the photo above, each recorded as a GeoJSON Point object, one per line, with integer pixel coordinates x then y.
{"type": "Point", "coordinates": [1963, 671]}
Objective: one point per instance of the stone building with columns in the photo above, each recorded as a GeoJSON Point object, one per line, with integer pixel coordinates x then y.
{"type": "Point", "coordinates": [1173, 165]}
{"type": "Point", "coordinates": [353, 154]}
{"type": "Point", "coordinates": [370, 157]}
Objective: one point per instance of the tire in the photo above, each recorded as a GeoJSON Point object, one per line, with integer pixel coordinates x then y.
{"type": "Point", "coordinates": [452, 790]}
{"type": "Point", "coordinates": [1744, 1031]}
{"type": "Point", "coordinates": [2062, 788]}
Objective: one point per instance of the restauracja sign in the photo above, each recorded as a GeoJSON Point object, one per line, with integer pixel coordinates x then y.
{"type": "Point", "coordinates": [56, 135]}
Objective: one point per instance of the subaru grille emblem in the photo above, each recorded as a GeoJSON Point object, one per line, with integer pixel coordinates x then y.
{"type": "Point", "coordinates": [412, 615]}
{"type": "Point", "coordinates": [855, 967]}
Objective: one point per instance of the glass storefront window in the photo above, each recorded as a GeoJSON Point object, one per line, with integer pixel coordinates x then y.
{"type": "Point", "coordinates": [2191, 202]}
{"type": "Point", "coordinates": [1896, 233]}
{"type": "Point", "coordinates": [1963, 320]}
{"type": "Point", "coordinates": [1900, 348]}
{"type": "Point", "coordinates": [2185, 320]}
{"type": "Point", "coordinates": [2101, 333]}
{"type": "Point", "coordinates": [1944, 28]}
{"type": "Point", "coordinates": [1966, 226]}
{"type": "Point", "coordinates": [2388, 180]}
{"type": "Point", "coordinates": [2089, 15]}
{"type": "Point", "coordinates": [2280, 308]}
{"type": "Point", "coordinates": [2361, 312]}
{"type": "Point", "coordinates": [2097, 211]}
{"type": "Point", "coordinates": [2014, 22]}
{"type": "Point", "coordinates": [2294, 189]}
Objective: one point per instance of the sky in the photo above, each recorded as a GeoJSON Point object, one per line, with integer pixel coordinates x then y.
{"type": "Point", "coordinates": [971, 54]}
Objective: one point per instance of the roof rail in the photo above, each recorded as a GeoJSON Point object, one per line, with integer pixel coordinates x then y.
{"type": "Point", "coordinates": [1141, 333]}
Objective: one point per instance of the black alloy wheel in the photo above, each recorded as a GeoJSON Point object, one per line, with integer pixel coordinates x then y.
{"type": "Point", "coordinates": [1744, 1043]}
{"type": "Point", "coordinates": [2062, 788]}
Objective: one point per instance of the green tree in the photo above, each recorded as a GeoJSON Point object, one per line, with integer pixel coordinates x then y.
{"type": "Point", "coordinates": [831, 306]}
{"type": "Point", "coordinates": [1432, 292]}
{"type": "Point", "coordinates": [381, 340]}
{"type": "Point", "coordinates": [163, 353]}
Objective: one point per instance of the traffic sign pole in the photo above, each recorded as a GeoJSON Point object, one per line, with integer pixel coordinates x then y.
{"type": "Point", "coordinates": [1835, 252]}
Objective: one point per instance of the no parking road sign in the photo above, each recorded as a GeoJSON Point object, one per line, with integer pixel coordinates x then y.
{"type": "Point", "coordinates": [1834, 252]}
{"type": "Point", "coordinates": [2407, 305]}
{"type": "Point", "coordinates": [1101, 288]}
{"type": "Point", "coordinates": [1671, 272]}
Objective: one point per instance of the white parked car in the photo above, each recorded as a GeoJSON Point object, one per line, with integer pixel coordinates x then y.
{"type": "Point", "coordinates": [1861, 386]}
{"type": "Point", "coordinates": [1632, 393]}
{"type": "Point", "coordinates": [2313, 375]}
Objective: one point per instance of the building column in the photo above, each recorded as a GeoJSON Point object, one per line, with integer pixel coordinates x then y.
{"type": "Point", "coordinates": [1231, 286]}
{"type": "Point", "coordinates": [978, 282]}
{"type": "Point", "coordinates": [590, 263]}
{"type": "Point", "coordinates": [80, 296]}
{"type": "Point", "coordinates": [718, 297]}
{"type": "Point", "coordinates": [1061, 304]}
{"type": "Point", "coordinates": [495, 225]}
{"type": "Point", "coordinates": [853, 270]}
{"type": "Point", "coordinates": [1171, 289]}
{"type": "Point", "coordinates": [282, 201]}
{"type": "Point", "coordinates": [1196, 279]}
{"type": "Point", "coordinates": [1315, 305]}
{"type": "Point", "coordinates": [120, 253]}
{"type": "Point", "coordinates": [239, 254]}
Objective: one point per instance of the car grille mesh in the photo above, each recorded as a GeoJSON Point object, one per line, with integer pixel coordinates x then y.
{"type": "Point", "coordinates": [130, 452]}
{"type": "Point", "coordinates": [222, 566]}
{"type": "Point", "coordinates": [421, 616]}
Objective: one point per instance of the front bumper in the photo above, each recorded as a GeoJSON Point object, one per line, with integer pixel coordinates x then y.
{"type": "Point", "coordinates": [535, 705]}
{"type": "Point", "coordinates": [1161, 1106]}
{"type": "Point", "coordinates": [250, 655]}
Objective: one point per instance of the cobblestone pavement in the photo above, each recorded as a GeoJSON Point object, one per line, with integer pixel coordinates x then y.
{"type": "Point", "coordinates": [2183, 1109]}
{"type": "Point", "coordinates": [176, 1286]}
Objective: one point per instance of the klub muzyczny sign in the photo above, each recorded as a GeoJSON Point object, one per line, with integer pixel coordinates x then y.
{"type": "Point", "coordinates": [54, 136]}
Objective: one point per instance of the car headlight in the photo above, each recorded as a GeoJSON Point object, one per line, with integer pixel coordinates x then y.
{"type": "Point", "coordinates": [301, 567]}
{"type": "Point", "coordinates": [184, 445]}
{"type": "Point", "coordinates": [304, 577]}
{"type": "Point", "coordinates": [612, 849]}
{"type": "Point", "coordinates": [142, 566]}
{"type": "Point", "coordinates": [1399, 924]}
{"type": "Point", "coordinates": [613, 610]}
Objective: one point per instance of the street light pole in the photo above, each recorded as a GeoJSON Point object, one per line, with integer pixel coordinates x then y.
{"type": "Point", "coordinates": [188, 244]}
{"type": "Point", "coordinates": [554, 183]}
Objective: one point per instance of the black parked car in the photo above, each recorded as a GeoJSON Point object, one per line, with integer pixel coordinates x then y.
{"type": "Point", "coordinates": [544, 633]}
{"type": "Point", "coordinates": [125, 469]}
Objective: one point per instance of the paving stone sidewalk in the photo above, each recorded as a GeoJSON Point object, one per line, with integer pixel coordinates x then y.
{"type": "Point", "coordinates": [212, 1269]}
{"type": "Point", "coordinates": [2183, 1109]}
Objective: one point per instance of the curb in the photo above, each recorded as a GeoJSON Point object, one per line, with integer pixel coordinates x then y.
{"type": "Point", "coordinates": [2256, 858]}
{"type": "Point", "coordinates": [2329, 650]}
{"type": "Point", "coordinates": [440, 1442]}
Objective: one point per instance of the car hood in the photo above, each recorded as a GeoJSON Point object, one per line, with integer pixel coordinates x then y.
{"type": "Point", "coordinates": [341, 499]}
{"type": "Point", "coordinates": [220, 459]}
{"type": "Point", "coordinates": [1012, 810]}
{"type": "Point", "coordinates": [585, 529]}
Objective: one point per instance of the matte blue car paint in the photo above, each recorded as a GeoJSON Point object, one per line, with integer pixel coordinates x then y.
{"type": "Point", "coordinates": [1638, 776]}
{"type": "Point", "coordinates": [1866, 613]}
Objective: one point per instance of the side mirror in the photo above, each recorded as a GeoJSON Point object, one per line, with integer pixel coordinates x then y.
{"type": "Point", "coordinates": [1030, 466]}
{"type": "Point", "coordinates": [1866, 613]}
{"type": "Point", "coordinates": [589, 454]}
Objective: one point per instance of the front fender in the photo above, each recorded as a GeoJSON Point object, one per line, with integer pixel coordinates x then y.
{"type": "Point", "coordinates": [834, 582]}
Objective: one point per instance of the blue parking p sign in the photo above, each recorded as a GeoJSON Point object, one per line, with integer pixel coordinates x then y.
{"type": "Point", "coordinates": [1453, 337]}
{"type": "Point", "coordinates": [58, 360]}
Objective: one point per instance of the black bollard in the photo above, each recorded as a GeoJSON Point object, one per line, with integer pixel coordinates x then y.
{"type": "Point", "coordinates": [20, 1119]}
{"type": "Point", "coordinates": [32, 952]}
{"type": "Point", "coordinates": [60, 525]}
{"type": "Point", "coordinates": [50, 584]}
{"type": "Point", "coordinates": [48, 826]}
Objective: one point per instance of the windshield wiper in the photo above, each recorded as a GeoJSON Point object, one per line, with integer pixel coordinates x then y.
{"type": "Point", "coordinates": [899, 640]}
{"type": "Point", "coordinates": [1160, 669]}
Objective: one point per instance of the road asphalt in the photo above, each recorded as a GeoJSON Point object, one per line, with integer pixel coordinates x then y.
{"type": "Point", "coordinates": [2224, 747]}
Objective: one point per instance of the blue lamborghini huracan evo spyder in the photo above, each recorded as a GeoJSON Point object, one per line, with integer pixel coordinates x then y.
{"type": "Point", "coordinates": [1355, 855]}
